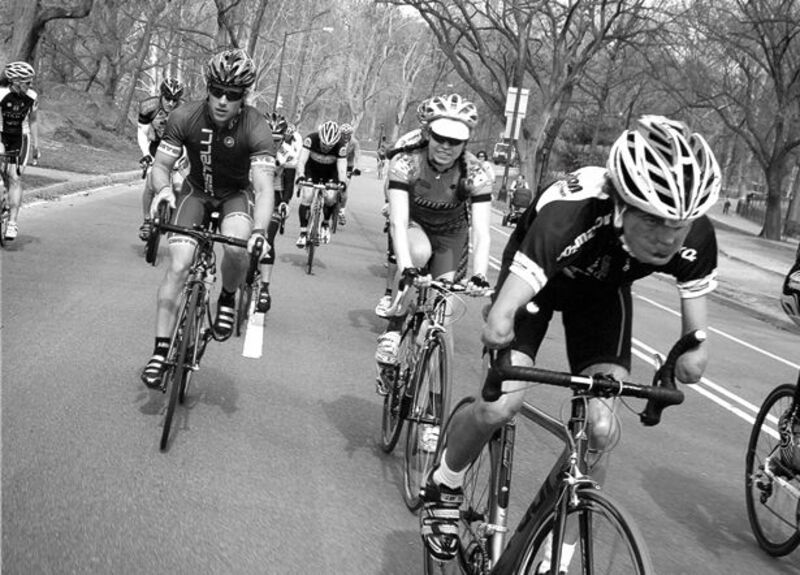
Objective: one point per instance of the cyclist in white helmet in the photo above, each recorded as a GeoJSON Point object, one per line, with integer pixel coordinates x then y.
{"type": "Point", "coordinates": [323, 158]}
{"type": "Point", "coordinates": [19, 133]}
{"type": "Point", "coordinates": [577, 249]}
{"type": "Point", "coordinates": [438, 192]}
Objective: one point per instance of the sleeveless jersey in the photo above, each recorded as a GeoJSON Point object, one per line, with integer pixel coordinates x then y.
{"type": "Point", "coordinates": [570, 229]}
{"type": "Point", "coordinates": [219, 158]}
{"type": "Point", "coordinates": [321, 166]}
{"type": "Point", "coordinates": [15, 111]}
{"type": "Point", "coordinates": [435, 201]}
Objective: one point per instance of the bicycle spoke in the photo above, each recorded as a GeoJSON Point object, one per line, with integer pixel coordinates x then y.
{"type": "Point", "coordinates": [772, 501]}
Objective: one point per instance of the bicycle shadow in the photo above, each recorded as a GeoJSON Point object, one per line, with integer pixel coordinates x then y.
{"type": "Point", "coordinates": [300, 260]}
{"type": "Point", "coordinates": [366, 319]}
{"type": "Point", "coordinates": [207, 386]}
{"type": "Point", "coordinates": [718, 521]}
{"type": "Point", "coordinates": [402, 552]}
{"type": "Point", "coordinates": [18, 244]}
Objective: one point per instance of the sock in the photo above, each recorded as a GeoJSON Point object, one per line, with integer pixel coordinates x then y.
{"type": "Point", "coordinates": [388, 292]}
{"type": "Point", "coordinates": [446, 476]}
{"type": "Point", "coordinates": [265, 286]}
{"type": "Point", "coordinates": [162, 346]}
{"type": "Point", "coordinates": [227, 298]}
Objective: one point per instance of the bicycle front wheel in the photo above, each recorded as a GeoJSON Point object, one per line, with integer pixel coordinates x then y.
{"type": "Point", "coordinates": [433, 380]}
{"type": "Point", "coordinates": [184, 335]}
{"type": "Point", "coordinates": [243, 299]}
{"type": "Point", "coordinates": [771, 508]}
{"type": "Point", "coordinates": [608, 540]}
{"type": "Point", "coordinates": [313, 234]}
{"type": "Point", "coordinates": [396, 379]}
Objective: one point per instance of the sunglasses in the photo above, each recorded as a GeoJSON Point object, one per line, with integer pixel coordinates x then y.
{"type": "Point", "coordinates": [231, 95]}
{"type": "Point", "coordinates": [443, 140]}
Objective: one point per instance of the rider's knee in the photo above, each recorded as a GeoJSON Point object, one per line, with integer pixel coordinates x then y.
{"type": "Point", "coordinates": [496, 413]}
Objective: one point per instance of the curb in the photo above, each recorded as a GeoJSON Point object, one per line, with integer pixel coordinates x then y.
{"type": "Point", "coordinates": [89, 183]}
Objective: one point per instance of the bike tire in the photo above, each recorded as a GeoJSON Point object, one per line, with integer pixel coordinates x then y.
{"type": "Point", "coordinates": [608, 539]}
{"type": "Point", "coordinates": [777, 533]}
{"type": "Point", "coordinates": [335, 218]}
{"type": "Point", "coordinates": [181, 340]}
{"type": "Point", "coordinates": [153, 242]}
{"type": "Point", "coordinates": [432, 384]}
{"type": "Point", "coordinates": [479, 499]}
{"type": "Point", "coordinates": [313, 234]}
{"type": "Point", "coordinates": [397, 401]}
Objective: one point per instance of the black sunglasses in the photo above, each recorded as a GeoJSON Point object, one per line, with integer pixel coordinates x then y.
{"type": "Point", "coordinates": [443, 140]}
{"type": "Point", "coordinates": [231, 95]}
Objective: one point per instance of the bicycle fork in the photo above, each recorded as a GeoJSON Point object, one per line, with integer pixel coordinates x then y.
{"type": "Point", "coordinates": [501, 452]}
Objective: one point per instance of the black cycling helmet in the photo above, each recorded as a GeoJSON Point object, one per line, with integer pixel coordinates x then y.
{"type": "Point", "coordinates": [171, 88]}
{"type": "Point", "coordinates": [277, 124]}
{"type": "Point", "coordinates": [231, 68]}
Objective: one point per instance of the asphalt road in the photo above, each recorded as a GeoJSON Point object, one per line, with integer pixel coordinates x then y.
{"type": "Point", "coordinates": [274, 466]}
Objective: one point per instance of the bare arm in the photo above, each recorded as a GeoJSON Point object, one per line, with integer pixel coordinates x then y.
{"type": "Point", "coordinates": [263, 175]}
{"type": "Point", "coordinates": [341, 169]}
{"type": "Point", "coordinates": [499, 328]}
{"type": "Point", "coordinates": [481, 237]}
{"type": "Point", "coordinates": [692, 364]}
{"type": "Point", "coordinates": [398, 220]}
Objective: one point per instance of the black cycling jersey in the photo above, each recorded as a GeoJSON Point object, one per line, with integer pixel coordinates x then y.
{"type": "Point", "coordinates": [569, 229]}
{"type": "Point", "coordinates": [219, 158]}
{"type": "Point", "coordinates": [15, 109]}
{"type": "Point", "coordinates": [321, 165]}
{"type": "Point", "coordinates": [152, 114]}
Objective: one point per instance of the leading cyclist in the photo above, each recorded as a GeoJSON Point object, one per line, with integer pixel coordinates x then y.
{"type": "Point", "coordinates": [19, 132]}
{"type": "Point", "coordinates": [227, 143]}
{"type": "Point", "coordinates": [437, 191]}
{"type": "Point", "coordinates": [577, 249]}
{"type": "Point", "coordinates": [322, 159]}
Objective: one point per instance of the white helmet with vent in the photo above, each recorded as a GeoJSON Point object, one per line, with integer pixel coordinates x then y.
{"type": "Point", "coordinates": [664, 169]}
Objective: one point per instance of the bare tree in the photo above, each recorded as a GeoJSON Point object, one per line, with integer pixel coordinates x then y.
{"type": "Point", "coordinates": [741, 63]}
{"type": "Point", "coordinates": [30, 18]}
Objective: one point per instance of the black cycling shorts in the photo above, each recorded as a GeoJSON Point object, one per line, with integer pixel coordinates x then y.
{"type": "Point", "coordinates": [195, 207]}
{"type": "Point", "coordinates": [597, 321]}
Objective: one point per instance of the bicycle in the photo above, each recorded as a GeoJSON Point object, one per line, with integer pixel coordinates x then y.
{"type": "Point", "coordinates": [315, 217]}
{"type": "Point", "coordinates": [6, 159]}
{"type": "Point", "coordinates": [569, 504]}
{"type": "Point", "coordinates": [417, 388]}
{"type": "Point", "coordinates": [193, 330]}
{"type": "Point", "coordinates": [772, 472]}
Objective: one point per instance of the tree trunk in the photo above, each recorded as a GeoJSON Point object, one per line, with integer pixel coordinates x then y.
{"type": "Point", "coordinates": [772, 218]}
{"type": "Point", "coordinates": [29, 22]}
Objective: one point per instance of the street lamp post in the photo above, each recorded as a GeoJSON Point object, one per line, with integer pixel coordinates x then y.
{"type": "Point", "coordinates": [283, 52]}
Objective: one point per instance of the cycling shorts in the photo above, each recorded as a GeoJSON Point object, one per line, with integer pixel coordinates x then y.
{"type": "Point", "coordinates": [194, 207]}
{"type": "Point", "coordinates": [596, 317]}
{"type": "Point", "coordinates": [446, 249]}
{"type": "Point", "coordinates": [18, 143]}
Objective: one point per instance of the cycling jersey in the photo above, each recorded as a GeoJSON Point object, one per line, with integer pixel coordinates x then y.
{"type": "Point", "coordinates": [438, 200]}
{"type": "Point", "coordinates": [569, 229]}
{"type": "Point", "coordinates": [289, 150]}
{"type": "Point", "coordinates": [321, 166]}
{"type": "Point", "coordinates": [219, 158]}
{"type": "Point", "coordinates": [15, 111]}
{"type": "Point", "coordinates": [154, 118]}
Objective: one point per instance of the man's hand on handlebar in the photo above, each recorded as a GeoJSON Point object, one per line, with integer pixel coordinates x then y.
{"type": "Point", "coordinates": [414, 276]}
{"type": "Point", "coordinates": [252, 243]}
{"type": "Point", "coordinates": [165, 194]}
{"type": "Point", "coordinates": [146, 161]}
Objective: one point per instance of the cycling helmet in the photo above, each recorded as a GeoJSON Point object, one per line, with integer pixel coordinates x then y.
{"type": "Point", "coordinates": [790, 295]}
{"type": "Point", "coordinates": [329, 134]}
{"type": "Point", "coordinates": [231, 68]}
{"type": "Point", "coordinates": [171, 88]}
{"type": "Point", "coordinates": [423, 111]}
{"type": "Point", "coordinates": [346, 129]}
{"type": "Point", "coordinates": [664, 169]}
{"type": "Point", "coordinates": [451, 116]}
{"type": "Point", "coordinates": [277, 124]}
{"type": "Point", "coordinates": [19, 72]}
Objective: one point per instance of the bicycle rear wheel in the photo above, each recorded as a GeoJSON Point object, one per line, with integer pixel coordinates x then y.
{"type": "Point", "coordinates": [432, 383]}
{"type": "Point", "coordinates": [608, 540]}
{"type": "Point", "coordinates": [397, 378]}
{"type": "Point", "coordinates": [184, 336]}
{"type": "Point", "coordinates": [773, 511]}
